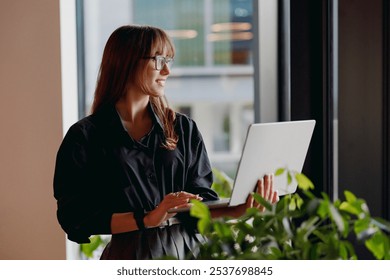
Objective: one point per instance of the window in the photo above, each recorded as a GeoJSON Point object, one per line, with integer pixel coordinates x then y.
{"type": "Point", "coordinates": [212, 78]}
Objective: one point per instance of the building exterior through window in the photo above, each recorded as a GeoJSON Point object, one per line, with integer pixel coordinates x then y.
{"type": "Point", "coordinates": [212, 76]}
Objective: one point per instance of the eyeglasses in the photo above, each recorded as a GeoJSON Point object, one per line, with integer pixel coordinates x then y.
{"type": "Point", "coordinates": [160, 61]}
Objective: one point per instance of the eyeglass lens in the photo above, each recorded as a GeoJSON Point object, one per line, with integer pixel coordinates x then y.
{"type": "Point", "coordinates": [161, 61]}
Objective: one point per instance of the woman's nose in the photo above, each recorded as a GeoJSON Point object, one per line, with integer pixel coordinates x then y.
{"type": "Point", "coordinates": [165, 70]}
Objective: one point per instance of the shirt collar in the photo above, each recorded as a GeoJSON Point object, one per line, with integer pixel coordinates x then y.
{"type": "Point", "coordinates": [112, 117]}
{"type": "Point", "coordinates": [115, 119]}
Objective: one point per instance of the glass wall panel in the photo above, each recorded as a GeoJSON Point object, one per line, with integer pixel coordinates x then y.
{"type": "Point", "coordinates": [231, 32]}
{"type": "Point", "coordinates": [182, 19]}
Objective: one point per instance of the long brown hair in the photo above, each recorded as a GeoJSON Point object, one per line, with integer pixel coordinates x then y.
{"type": "Point", "coordinates": [123, 65]}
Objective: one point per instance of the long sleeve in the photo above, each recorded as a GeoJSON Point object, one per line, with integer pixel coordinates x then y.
{"type": "Point", "coordinates": [82, 207]}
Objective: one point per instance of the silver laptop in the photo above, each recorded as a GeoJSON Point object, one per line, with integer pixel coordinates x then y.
{"type": "Point", "coordinates": [268, 146]}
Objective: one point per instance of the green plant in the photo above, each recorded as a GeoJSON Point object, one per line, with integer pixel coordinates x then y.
{"type": "Point", "coordinates": [90, 250]}
{"type": "Point", "coordinates": [222, 183]}
{"type": "Point", "coordinates": [300, 226]}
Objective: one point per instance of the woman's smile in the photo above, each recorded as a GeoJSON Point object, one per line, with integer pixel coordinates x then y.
{"type": "Point", "coordinates": [161, 82]}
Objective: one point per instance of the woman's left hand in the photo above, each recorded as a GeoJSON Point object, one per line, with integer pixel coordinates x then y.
{"type": "Point", "coordinates": [265, 188]}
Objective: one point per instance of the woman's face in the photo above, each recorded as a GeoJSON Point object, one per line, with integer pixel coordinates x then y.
{"type": "Point", "coordinates": [155, 79]}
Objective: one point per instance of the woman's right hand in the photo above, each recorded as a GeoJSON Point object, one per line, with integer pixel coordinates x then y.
{"type": "Point", "coordinates": [173, 200]}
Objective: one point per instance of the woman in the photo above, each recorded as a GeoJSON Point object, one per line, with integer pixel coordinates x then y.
{"type": "Point", "coordinates": [120, 170]}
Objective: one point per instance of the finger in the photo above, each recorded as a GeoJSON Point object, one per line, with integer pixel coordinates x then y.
{"type": "Point", "coordinates": [197, 197]}
{"type": "Point", "coordinates": [260, 207]}
{"type": "Point", "coordinates": [257, 188]}
{"type": "Point", "coordinates": [275, 197]}
{"type": "Point", "coordinates": [271, 187]}
{"type": "Point", "coordinates": [267, 186]}
{"type": "Point", "coordinates": [250, 201]}
{"type": "Point", "coordinates": [173, 202]}
{"type": "Point", "coordinates": [189, 195]}
{"type": "Point", "coordinates": [186, 196]}
{"type": "Point", "coordinates": [260, 191]}
{"type": "Point", "coordinates": [185, 205]}
{"type": "Point", "coordinates": [180, 195]}
{"type": "Point", "coordinates": [186, 193]}
{"type": "Point", "coordinates": [172, 195]}
{"type": "Point", "coordinates": [193, 196]}
{"type": "Point", "coordinates": [180, 200]}
{"type": "Point", "coordinates": [177, 199]}
{"type": "Point", "coordinates": [260, 187]}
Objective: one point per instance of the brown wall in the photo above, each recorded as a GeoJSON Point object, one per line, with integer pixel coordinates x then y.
{"type": "Point", "coordinates": [30, 129]}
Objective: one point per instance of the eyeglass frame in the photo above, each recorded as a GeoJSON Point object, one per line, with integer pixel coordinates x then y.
{"type": "Point", "coordinates": [166, 61]}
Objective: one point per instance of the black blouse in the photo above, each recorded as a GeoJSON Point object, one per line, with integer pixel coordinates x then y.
{"type": "Point", "coordinates": [101, 170]}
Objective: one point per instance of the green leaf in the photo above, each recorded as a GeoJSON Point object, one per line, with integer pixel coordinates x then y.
{"type": "Point", "coordinates": [347, 251]}
{"type": "Point", "coordinates": [275, 253]}
{"type": "Point", "coordinates": [376, 244]}
{"type": "Point", "coordinates": [307, 227]}
{"type": "Point", "coordinates": [304, 182]}
{"type": "Point", "coordinates": [289, 178]}
{"type": "Point", "coordinates": [292, 205]}
{"type": "Point", "coordinates": [350, 197]}
{"type": "Point", "coordinates": [299, 201]}
{"type": "Point", "coordinates": [358, 207]}
{"type": "Point", "coordinates": [323, 209]}
{"type": "Point", "coordinates": [222, 176]}
{"type": "Point", "coordinates": [279, 171]}
{"type": "Point", "coordinates": [222, 183]}
{"type": "Point", "coordinates": [325, 196]}
{"type": "Point", "coordinates": [199, 210]}
{"type": "Point", "coordinates": [262, 201]}
{"type": "Point", "coordinates": [250, 212]}
{"type": "Point", "coordinates": [88, 248]}
{"type": "Point", "coordinates": [203, 226]}
{"type": "Point", "coordinates": [351, 250]}
{"type": "Point", "coordinates": [348, 207]}
{"type": "Point", "coordinates": [245, 228]}
{"type": "Point", "coordinates": [222, 230]}
{"type": "Point", "coordinates": [321, 235]}
{"type": "Point", "coordinates": [361, 225]}
{"type": "Point", "coordinates": [258, 221]}
{"type": "Point", "coordinates": [221, 189]}
{"type": "Point", "coordinates": [343, 251]}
